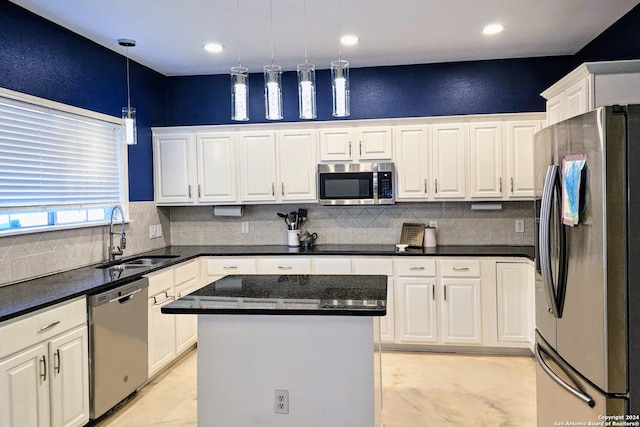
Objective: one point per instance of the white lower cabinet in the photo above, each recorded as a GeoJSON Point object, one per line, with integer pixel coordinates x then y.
{"type": "Point", "coordinates": [170, 335]}
{"type": "Point", "coordinates": [416, 317]}
{"type": "Point", "coordinates": [44, 368]}
{"type": "Point", "coordinates": [514, 302]}
{"type": "Point", "coordinates": [461, 313]}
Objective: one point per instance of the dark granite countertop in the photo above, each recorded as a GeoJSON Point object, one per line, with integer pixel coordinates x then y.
{"type": "Point", "coordinates": [273, 294]}
{"type": "Point", "coordinates": [30, 295]}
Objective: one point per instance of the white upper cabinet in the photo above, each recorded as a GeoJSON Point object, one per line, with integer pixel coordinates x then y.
{"type": "Point", "coordinates": [411, 156]}
{"type": "Point", "coordinates": [297, 165]}
{"type": "Point", "coordinates": [485, 160]}
{"type": "Point", "coordinates": [354, 144]}
{"type": "Point", "coordinates": [216, 167]}
{"type": "Point", "coordinates": [518, 165]}
{"type": "Point", "coordinates": [173, 165]}
{"type": "Point", "coordinates": [592, 85]}
{"type": "Point", "coordinates": [448, 149]}
{"type": "Point", "coordinates": [256, 152]}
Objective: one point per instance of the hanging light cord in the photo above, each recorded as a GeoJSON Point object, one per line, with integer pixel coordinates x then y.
{"type": "Point", "coordinates": [239, 31]}
{"type": "Point", "coordinates": [271, 28]}
{"type": "Point", "coordinates": [305, 29]}
{"type": "Point", "coordinates": [128, 85]}
{"type": "Point", "coordinates": [339, 31]}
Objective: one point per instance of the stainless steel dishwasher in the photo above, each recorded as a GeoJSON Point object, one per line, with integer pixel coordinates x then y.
{"type": "Point", "coordinates": [118, 344]}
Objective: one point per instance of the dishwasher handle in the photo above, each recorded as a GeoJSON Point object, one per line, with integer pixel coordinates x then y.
{"type": "Point", "coordinates": [125, 298]}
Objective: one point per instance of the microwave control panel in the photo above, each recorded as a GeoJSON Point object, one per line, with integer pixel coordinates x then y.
{"type": "Point", "coordinates": [385, 187]}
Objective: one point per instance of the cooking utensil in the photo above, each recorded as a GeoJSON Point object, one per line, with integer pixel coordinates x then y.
{"type": "Point", "coordinates": [293, 217]}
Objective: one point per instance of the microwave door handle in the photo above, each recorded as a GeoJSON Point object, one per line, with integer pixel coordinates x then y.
{"type": "Point", "coordinates": [544, 237]}
{"type": "Point", "coordinates": [586, 398]}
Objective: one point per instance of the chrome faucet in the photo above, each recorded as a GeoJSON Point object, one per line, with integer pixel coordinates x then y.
{"type": "Point", "coordinates": [116, 250]}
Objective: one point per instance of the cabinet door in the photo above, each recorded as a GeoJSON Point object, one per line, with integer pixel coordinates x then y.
{"type": "Point", "coordinates": [518, 164]}
{"type": "Point", "coordinates": [335, 145]}
{"type": "Point", "coordinates": [485, 160]}
{"type": "Point", "coordinates": [383, 326]}
{"type": "Point", "coordinates": [256, 151]}
{"type": "Point", "coordinates": [577, 98]}
{"type": "Point", "coordinates": [416, 314]}
{"type": "Point", "coordinates": [69, 364]}
{"type": "Point", "coordinates": [186, 324]}
{"type": "Point", "coordinates": [162, 331]}
{"type": "Point", "coordinates": [555, 109]}
{"type": "Point", "coordinates": [374, 143]}
{"type": "Point", "coordinates": [216, 168]}
{"type": "Point", "coordinates": [173, 179]}
{"type": "Point", "coordinates": [411, 155]}
{"type": "Point", "coordinates": [24, 387]}
{"type": "Point", "coordinates": [461, 311]}
{"type": "Point", "coordinates": [448, 144]}
{"type": "Point", "coordinates": [513, 302]}
{"type": "Point", "coordinates": [297, 165]}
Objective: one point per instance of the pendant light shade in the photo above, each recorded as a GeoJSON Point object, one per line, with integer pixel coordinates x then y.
{"type": "Point", "coordinates": [307, 91]}
{"type": "Point", "coordinates": [340, 88]}
{"type": "Point", "coordinates": [239, 93]}
{"type": "Point", "coordinates": [128, 112]}
{"type": "Point", "coordinates": [273, 92]}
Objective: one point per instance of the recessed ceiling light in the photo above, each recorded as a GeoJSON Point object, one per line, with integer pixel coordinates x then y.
{"type": "Point", "coordinates": [493, 29]}
{"type": "Point", "coordinates": [213, 47]}
{"type": "Point", "coordinates": [349, 40]}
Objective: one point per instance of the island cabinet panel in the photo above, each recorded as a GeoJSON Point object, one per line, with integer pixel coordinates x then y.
{"type": "Point", "coordinates": [44, 368]}
{"type": "Point", "coordinates": [384, 327]}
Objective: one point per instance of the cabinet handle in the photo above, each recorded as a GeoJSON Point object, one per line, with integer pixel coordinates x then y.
{"type": "Point", "coordinates": [436, 185]}
{"type": "Point", "coordinates": [189, 189]}
{"type": "Point", "coordinates": [433, 293]}
{"type": "Point", "coordinates": [198, 191]}
{"type": "Point", "coordinates": [511, 185]}
{"type": "Point", "coordinates": [349, 148]}
{"type": "Point", "coordinates": [231, 267]}
{"type": "Point", "coordinates": [445, 292]}
{"type": "Point", "coordinates": [285, 267]}
{"type": "Point", "coordinates": [56, 361]}
{"type": "Point", "coordinates": [360, 148]}
{"type": "Point", "coordinates": [273, 189]}
{"type": "Point", "coordinates": [416, 268]}
{"type": "Point", "coordinates": [168, 298]}
{"type": "Point", "coordinates": [425, 186]}
{"type": "Point", "coordinates": [500, 185]}
{"type": "Point", "coordinates": [282, 188]}
{"type": "Point", "coordinates": [46, 328]}
{"type": "Point", "coordinates": [460, 268]}
{"type": "Point", "coordinates": [43, 368]}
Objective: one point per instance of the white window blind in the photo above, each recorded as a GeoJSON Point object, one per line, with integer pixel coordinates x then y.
{"type": "Point", "coordinates": [52, 158]}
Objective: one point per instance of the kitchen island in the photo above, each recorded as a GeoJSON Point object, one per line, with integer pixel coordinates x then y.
{"type": "Point", "coordinates": [308, 338]}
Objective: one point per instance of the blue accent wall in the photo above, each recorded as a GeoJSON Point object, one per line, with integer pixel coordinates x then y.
{"type": "Point", "coordinates": [43, 59]}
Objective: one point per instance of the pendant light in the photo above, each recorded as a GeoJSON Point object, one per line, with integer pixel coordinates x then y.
{"type": "Point", "coordinates": [128, 112]}
{"type": "Point", "coordinates": [340, 80]}
{"type": "Point", "coordinates": [239, 84]}
{"type": "Point", "coordinates": [306, 80]}
{"type": "Point", "coordinates": [272, 81]}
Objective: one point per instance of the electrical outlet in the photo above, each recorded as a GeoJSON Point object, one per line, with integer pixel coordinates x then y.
{"type": "Point", "coordinates": [519, 225]}
{"type": "Point", "coordinates": [159, 230]}
{"type": "Point", "coordinates": [282, 402]}
{"type": "Point", "coordinates": [245, 227]}
{"type": "Point", "coordinates": [433, 224]}
{"type": "Point", "coordinates": [152, 232]}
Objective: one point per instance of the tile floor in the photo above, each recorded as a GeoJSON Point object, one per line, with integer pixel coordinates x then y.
{"type": "Point", "coordinates": [420, 390]}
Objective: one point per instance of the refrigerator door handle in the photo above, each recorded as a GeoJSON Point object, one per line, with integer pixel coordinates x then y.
{"type": "Point", "coordinates": [544, 236]}
{"type": "Point", "coordinates": [577, 393]}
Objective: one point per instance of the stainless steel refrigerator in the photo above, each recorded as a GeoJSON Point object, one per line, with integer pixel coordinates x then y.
{"type": "Point", "coordinates": [588, 267]}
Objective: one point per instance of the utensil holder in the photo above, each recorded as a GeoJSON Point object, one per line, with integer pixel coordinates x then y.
{"type": "Point", "coordinates": [293, 238]}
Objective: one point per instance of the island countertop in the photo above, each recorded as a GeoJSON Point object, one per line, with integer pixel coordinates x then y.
{"type": "Point", "coordinates": [274, 294]}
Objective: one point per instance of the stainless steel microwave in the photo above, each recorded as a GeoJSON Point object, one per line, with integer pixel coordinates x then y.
{"type": "Point", "coordinates": [356, 183]}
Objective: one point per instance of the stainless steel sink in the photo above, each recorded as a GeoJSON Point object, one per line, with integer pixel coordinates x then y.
{"type": "Point", "coordinates": [138, 262]}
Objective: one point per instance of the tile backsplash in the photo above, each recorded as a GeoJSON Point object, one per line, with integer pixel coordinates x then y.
{"type": "Point", "coordinates": [457, 224]}
{"type": "Point", "coordinates": [31, 255]}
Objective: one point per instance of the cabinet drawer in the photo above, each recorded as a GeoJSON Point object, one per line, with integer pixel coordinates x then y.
{"type": "Point", "coordinates": [32, 328]}
{"type": "Point", "coordinates": [460, 267]}
{"type": "Point", "coordinates": [414, 266]}
{"type": "Point", "coordinates": [372, 265]}
{"type": "Point", "coordinates": [331, 265]}
{"type": "Point", "coordinates": [225, 265]}
{"type": "Point", "coordinates": [187, 271]}
{"type": "Point", "coordinates": [284, 265]}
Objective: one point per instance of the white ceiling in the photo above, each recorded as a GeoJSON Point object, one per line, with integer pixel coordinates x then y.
{"type": "Point", "coordinates": [171, 34]}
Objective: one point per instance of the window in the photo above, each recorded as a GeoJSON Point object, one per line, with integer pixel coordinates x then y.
{"type": "Point", "coordinates": [60, 166]}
